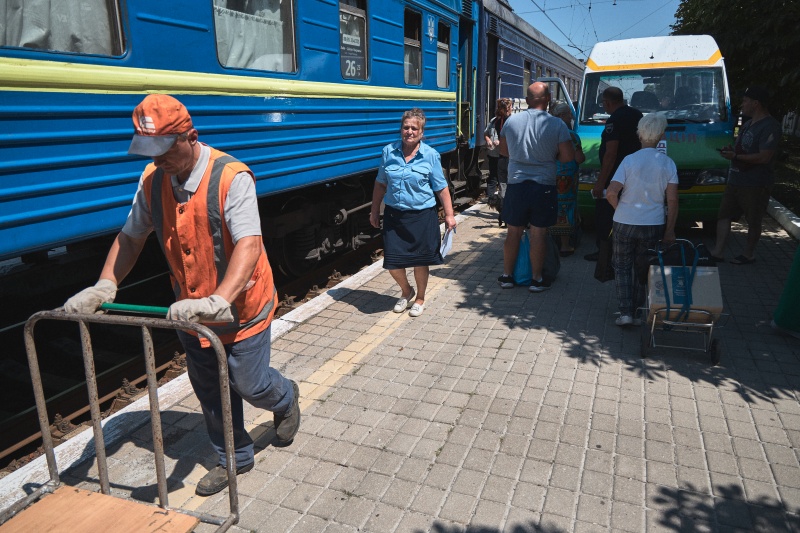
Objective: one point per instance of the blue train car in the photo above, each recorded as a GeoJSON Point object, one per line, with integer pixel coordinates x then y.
{"type": "Point", "coordinates": [515, 55]}
{"type": "Point", "coordinates": [306, 92]}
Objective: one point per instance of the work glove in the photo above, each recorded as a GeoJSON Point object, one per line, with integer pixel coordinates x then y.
{"type": "Point", "coordinates": [90, 299]}
{"type": "Point", "coordinates": [211, 309]}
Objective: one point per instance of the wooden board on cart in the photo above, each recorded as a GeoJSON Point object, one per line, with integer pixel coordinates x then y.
{"type": "Point", "coordinates": [71, 510]}
{"type": "Point", "coordinates": [706, 294]}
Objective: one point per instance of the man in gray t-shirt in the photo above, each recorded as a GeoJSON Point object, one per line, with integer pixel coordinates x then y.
{"type": "Point", "coordinates": [532, 140]}
{"type": "Point", "coordinates": [750, 178]}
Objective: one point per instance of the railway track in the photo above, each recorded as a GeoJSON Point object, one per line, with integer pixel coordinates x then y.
{"type": "Point", "coordinates": [120, 367]}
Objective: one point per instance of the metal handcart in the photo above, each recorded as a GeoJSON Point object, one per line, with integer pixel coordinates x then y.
{"type": "Point", "coordinates": [663, 323]}
{"type": "Point", "coordinates": [43, 509]}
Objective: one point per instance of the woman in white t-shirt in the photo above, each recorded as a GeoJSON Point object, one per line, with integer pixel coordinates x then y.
{"type": "Point", "coordinates": [642, 183]}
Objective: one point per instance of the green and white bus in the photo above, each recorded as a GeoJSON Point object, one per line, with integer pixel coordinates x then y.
{"type": "Point", "coordinates": [681, 77]}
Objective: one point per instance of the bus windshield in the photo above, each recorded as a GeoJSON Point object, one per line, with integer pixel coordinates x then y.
{"type": "Point", "coordinates": [683, 95]}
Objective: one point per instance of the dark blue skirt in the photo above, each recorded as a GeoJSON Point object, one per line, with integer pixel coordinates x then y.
{"type": "Point", "coordinates": [410, 238]}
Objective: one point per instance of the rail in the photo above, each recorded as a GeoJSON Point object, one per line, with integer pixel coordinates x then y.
{"type": "Point", "coordinates": [146, 324]}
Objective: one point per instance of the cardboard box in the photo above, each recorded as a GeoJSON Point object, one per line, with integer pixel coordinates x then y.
{"type": "Point", "coordinates": [705, 294]}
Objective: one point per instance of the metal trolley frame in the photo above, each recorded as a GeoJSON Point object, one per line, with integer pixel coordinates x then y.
{"type": "Point", "coordinates": [687, 319]}
{"type": "Point", "coordinates": [704, 326]}
{"type": "Point", "coordinates": [146, 325]}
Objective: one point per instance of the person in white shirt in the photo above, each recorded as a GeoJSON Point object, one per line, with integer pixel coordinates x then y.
{"type": "Point", "coordinates": [641, 184]}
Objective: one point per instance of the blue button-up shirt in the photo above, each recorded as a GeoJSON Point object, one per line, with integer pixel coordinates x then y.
{"type": "Point", "coordinates": [411, 186]}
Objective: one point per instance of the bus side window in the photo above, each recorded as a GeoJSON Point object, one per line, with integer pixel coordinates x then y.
{"type": "Point", "coordinates": [257, 34]}
{"type": "Point", "coordinates": [86, 27]}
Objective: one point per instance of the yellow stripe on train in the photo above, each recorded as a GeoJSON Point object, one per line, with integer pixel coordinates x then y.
{"type": "Point", "coordinates": [54, 76]}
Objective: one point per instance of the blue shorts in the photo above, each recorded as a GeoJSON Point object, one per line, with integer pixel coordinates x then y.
{"type": "Point", "coordinates": [530, 202]}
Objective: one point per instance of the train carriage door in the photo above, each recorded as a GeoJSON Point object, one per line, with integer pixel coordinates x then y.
{"type": "Point", "coordinates": [466, 74]}
{"type": "Point", "coordinates": [492, 85]}
{"type": "Point", "coordinates": [466, 95]}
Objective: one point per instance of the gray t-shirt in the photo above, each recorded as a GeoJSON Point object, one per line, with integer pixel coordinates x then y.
{"type": "Point", "coordinates": [241, 205]}
{"type": "Point", "coordinates": [533, 137]}
{"type": "Point", "coordinates": [491, 132]}
{"type": "Point", "coordinates": [754, 137]}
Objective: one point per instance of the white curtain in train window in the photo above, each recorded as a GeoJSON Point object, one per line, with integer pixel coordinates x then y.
{"type": "Point", "coordinates": [442, 65]}
{"type": "Point", "coordinates": [60, 25]}
{"type": "Point", "coordinates": [250, 34]}
{"type": "Point", "coordinates": [412, 59]}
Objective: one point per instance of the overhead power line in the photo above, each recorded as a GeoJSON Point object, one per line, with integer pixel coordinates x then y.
{"type": "Point", "coordinates": [639, 21]}
{"type": "Point", "coordinates": [559, 29]}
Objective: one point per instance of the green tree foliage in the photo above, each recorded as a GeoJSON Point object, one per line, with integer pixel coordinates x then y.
{"type": "Point", "coordinates": [760, 42]}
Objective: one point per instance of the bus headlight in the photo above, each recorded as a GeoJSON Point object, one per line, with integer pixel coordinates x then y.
{"type": "Point", "coordinates": [588, 176]}
{"type": "Point", "coordinates": [714, 176]}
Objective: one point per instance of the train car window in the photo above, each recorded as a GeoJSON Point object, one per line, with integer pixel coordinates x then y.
{"type": "Point", "coordinates": [443, 56]}
{"type": "Point", "coordinates": [412, 49]}
{"type": "Point", "coordinates": [526, 78]}
{"type": "Point", "coordinates": [255, 34]}
{"type": "Point", "coordinates": [86, 27]}
{"type": "Point", "coordinates": [353, 39]}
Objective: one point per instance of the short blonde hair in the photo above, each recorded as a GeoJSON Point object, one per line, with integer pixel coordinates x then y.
{"type": "Point", "coordinates": [417, 114]}
{"type": "Point", "coordinates": [651, 128]}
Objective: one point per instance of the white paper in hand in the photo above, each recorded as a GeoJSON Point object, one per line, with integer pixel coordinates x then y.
{"type": "Point", "coordinates": [447, 242]}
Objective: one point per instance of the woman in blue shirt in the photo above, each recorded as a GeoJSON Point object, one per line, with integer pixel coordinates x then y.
{"type": "Point", "coordinates": [408, 178]}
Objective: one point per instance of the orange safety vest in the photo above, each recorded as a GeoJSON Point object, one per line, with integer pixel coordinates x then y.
{"type": "Point", "coordinates": [198, 246]}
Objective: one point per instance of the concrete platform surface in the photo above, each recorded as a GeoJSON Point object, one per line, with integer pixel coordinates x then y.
{"type": "Point", "coordinates": [502, 411]}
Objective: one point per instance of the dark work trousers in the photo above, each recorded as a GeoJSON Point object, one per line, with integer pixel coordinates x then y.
{"type": "Point", "coordinates": [603, 219]}
{"type": "Point", "coordinates": [491, 180]}
{"type": "Point", "coordinates": [251, 378]}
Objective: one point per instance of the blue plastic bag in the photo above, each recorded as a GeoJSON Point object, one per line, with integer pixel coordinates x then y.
{"type": "Point", "coordinates": [523, 273]}
{"type": "Point", "coordinates": [522, 268]}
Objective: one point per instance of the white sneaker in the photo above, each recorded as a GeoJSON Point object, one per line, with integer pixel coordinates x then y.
{"type": "Point", "coordinates": [627, 320]}
{"type": "Point", "coordinates": [624, 320]}
{"type": "Point", "coordinates": [404, 303]}
{"type": "Point", "coordinates": [416, 309]}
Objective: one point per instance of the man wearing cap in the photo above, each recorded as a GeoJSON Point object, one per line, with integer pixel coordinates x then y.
{"type": "Point", "coordinates": [201, 203]}
{"type": "Point", "coordinates": [750, 177]}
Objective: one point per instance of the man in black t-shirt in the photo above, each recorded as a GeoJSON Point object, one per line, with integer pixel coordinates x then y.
{"type": "Point", "coordinates": [619, 139]}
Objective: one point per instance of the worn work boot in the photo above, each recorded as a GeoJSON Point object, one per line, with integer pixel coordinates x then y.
{"type": "Point", "coordinates": [217, 479]}
{"type": "Point", "coordinates": [286, 426]}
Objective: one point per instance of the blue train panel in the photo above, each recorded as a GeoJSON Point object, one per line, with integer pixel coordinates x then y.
{"type": "Point", "coordinates": [515, 55]}
{"type": "Point", "coordinates": [316, 103]}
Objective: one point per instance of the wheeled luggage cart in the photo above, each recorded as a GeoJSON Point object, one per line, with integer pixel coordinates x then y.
{"type": "Point", "coordinates": [697, 290]}
{"type": "Point", "coordinates": [55, 507]}
{"type": "Point", "coordinates": [658, 322]}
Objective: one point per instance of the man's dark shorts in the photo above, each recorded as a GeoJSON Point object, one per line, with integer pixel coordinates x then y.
{"type": "Point", "coordinates": [531, 203]}
{"type": "Point", "coordinates": [751, 202]}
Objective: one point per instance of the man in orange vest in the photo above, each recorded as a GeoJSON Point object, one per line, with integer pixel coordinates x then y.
{"type": "Point", "coordinates": [201, 203]}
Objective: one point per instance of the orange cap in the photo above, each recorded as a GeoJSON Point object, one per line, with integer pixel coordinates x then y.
{"type": "Point", "coordinates": [158, 121]}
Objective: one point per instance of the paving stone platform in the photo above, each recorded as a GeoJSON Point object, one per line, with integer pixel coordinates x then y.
{"type": "Point", "coordinates": [506, 411]}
